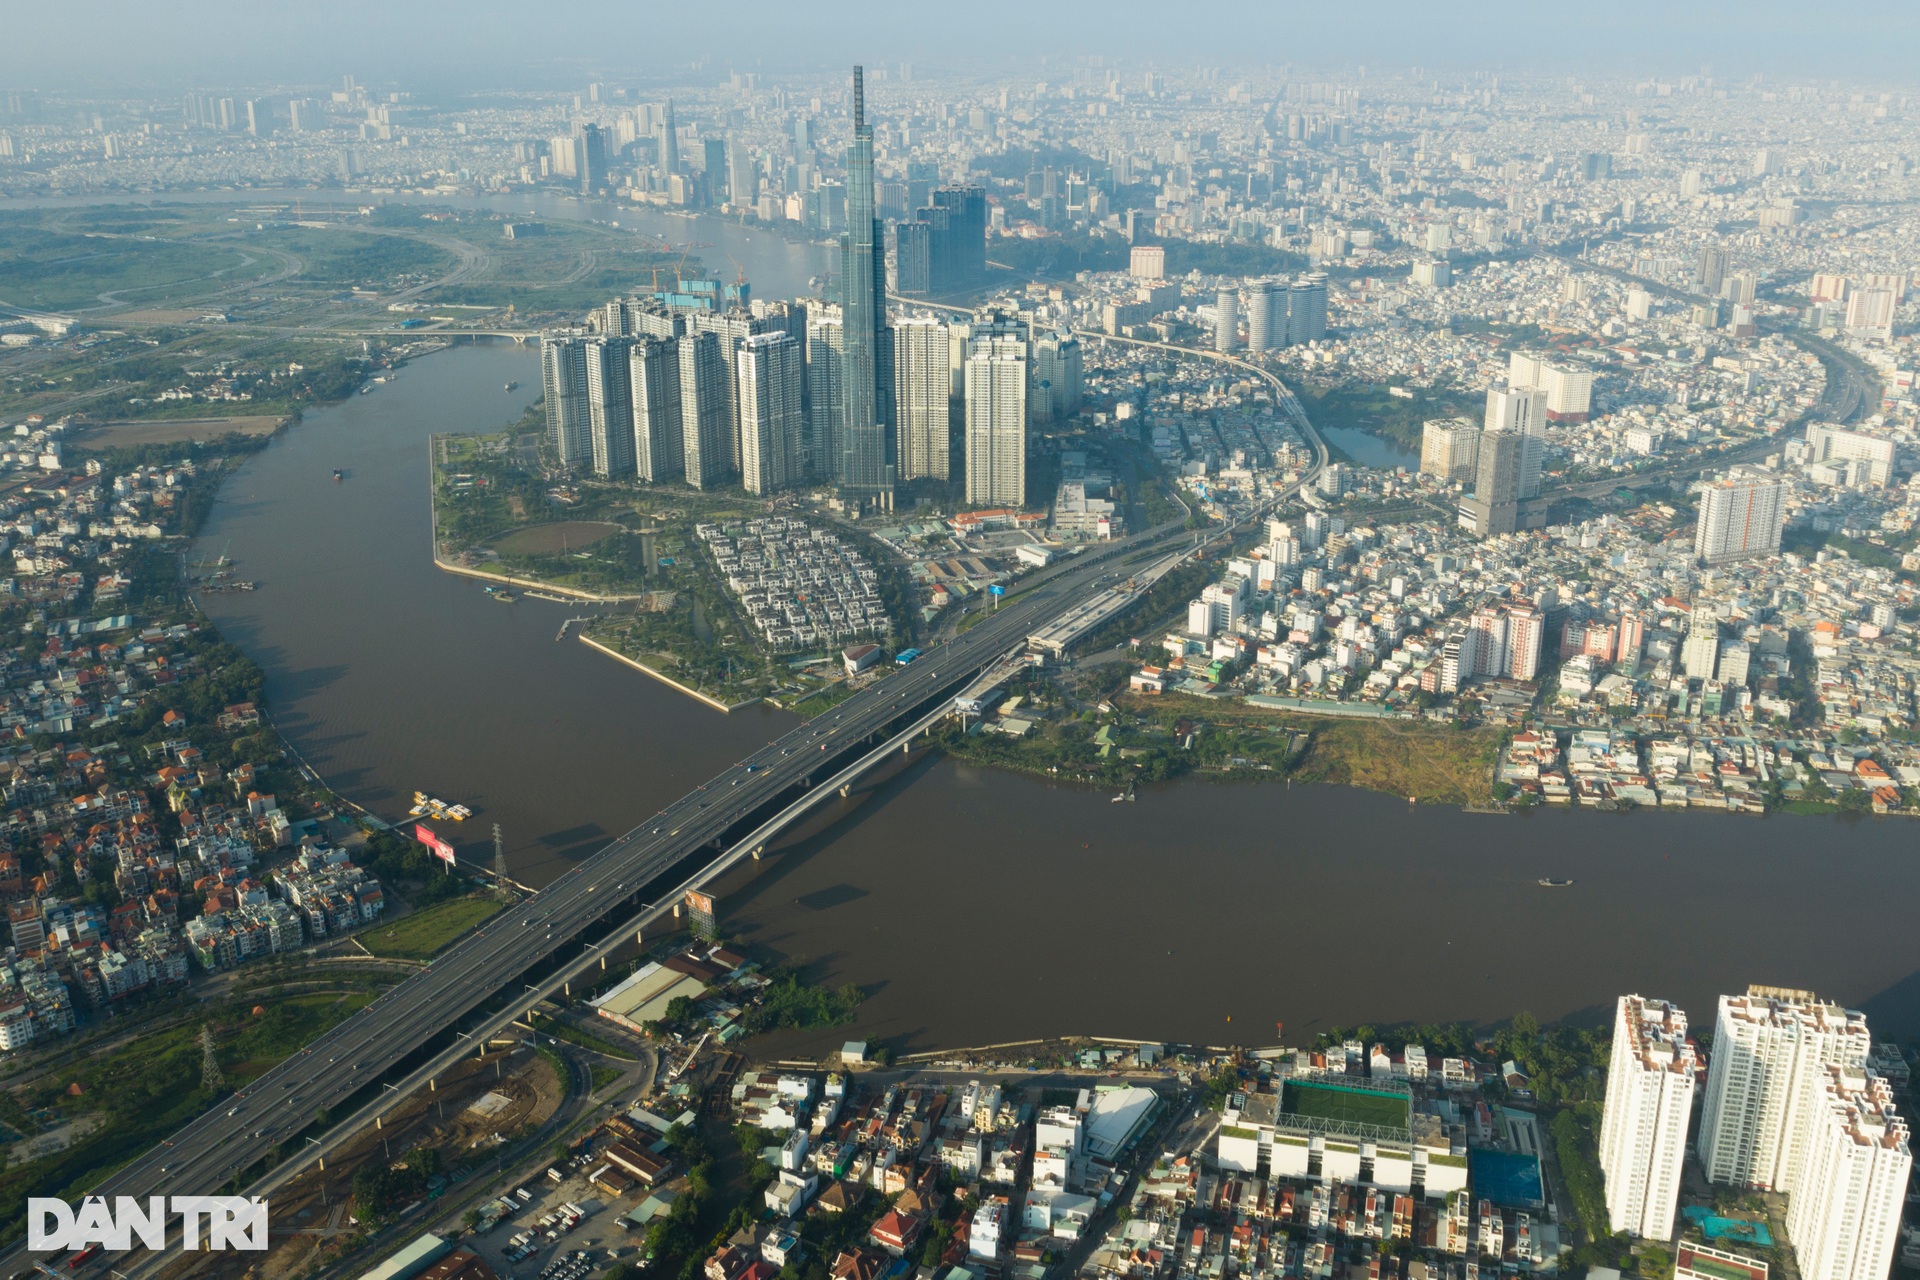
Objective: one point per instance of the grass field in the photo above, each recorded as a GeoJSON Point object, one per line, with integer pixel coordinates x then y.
{"type": "Point", "coordinates": [1439, 764]}
{"type": "Point", "coordinates": [552, 539]}
{"type": "Point", "coordinates": [1345, 1106]}
{"type": "Point", "coordinates": [424, 934]}
{"type": "Point", "coordinates": [113, 435]}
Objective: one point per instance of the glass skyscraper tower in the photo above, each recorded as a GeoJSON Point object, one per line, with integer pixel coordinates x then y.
{"type": "Point", "coordinates": [865, 467]}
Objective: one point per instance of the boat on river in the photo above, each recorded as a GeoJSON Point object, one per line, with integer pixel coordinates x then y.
{"type": "Point", "coordinates": [1553, 882]}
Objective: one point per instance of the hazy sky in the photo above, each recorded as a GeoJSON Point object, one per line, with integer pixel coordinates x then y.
{"type": "Point", "coordinates": [441, 46]}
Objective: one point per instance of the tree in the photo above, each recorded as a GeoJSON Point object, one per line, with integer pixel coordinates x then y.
{"type": "Point", "coordinates": [681, 1009]}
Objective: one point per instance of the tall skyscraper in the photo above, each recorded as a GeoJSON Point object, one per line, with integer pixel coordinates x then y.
{"type": "Point", "coordinates": [826, 390]}
{"type": "Point", "coordinates": [563, 375]}
{"type": "Point", "coordinates": [732, 327]}
{"type": "Point", "coordinates": [866, 466]}
{"type": "Point", "coordinates": [1265, 329]}
{"type": "Point", "coordinates": [923, 392]}
{"type": "Point", "coordinates": [590, 154]}
{"type": "Point", "coordinates": [1055, 378]}
{"type": "Point", "coordinates": [997, 414]}
{"type": "Point", "coordinates": [1741, 515]}
{"type": "Point", "coordinates": [772, 426]}
{"type": "Point", "coordinates": [667, 141]}
{"type": "Point", "coordinates": [1844, 1216]}
{"type": "Point", "coordinates": [704, 375]}
{"type": "Point", "coordinates": [1643, 1129]}
{"type": "Point", "coordinates": [913, 258]}
{"type": "Point", "coordinates": [1766, 1077]}
{"type": "Point", "coordinates": [610, 405]}
{"type": "Point", "coordinates": [743, 181]}
{"type": "Point", "coordinates": [654, 375]}
{"type": "Point", "coordinates": [1523, 412]}
{"type": "Point", "coordinates": [1226, 320]}
{"type": "Point", "coordinates": [1710, 271]}
{"type": "Point", "coordinates": [1307, 308]}
{"type": "Point", "coordinates": [961, 256]}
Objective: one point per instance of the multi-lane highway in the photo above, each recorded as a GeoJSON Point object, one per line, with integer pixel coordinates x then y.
{"type": "Point", "coordinates": [605, 889]}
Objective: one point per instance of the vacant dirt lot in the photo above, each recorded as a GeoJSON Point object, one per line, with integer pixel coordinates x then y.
{"type": "Point", "coordinates": [547, 539]}
{"type": "Point", "coordinates": [112, 435]}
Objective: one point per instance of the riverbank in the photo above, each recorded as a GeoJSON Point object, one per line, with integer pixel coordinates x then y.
{"type": "Point", "coordinates": [533, 584]}
{"type": "Point", "coordinates": [1168, 736]}
{"type": "Point", "coordinates": [665, 679]}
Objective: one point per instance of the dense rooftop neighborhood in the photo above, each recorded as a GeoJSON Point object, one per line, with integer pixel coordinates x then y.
{"type": "Point", "coordinates": [144, 843]}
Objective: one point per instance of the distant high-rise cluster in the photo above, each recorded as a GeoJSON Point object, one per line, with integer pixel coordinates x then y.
{"type": "Point", "coordinates": [696, 381]}
{"type": "Point", "coordinates": [943, 248]}
{"type": "Point", "coordinates": [1276, 313]}
{"type": "Point", "coordinates": [1792, 1104]}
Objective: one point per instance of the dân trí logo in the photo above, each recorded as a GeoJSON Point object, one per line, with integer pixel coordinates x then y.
{"type": "Point", "coordinates": [228, 1222]}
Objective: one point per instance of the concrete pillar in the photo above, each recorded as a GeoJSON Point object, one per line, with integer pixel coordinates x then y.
{"type": "Point", "coordinates": [758, 850]}
{"type": "Point", "coordinates": [603, 964]}
{"type": "Point", "coordinates": [566, 989]}
{"type": "Point", "coordinates": [676, 910]}
{"type": "Point", "coordinates": [846, 790]}
{"type": "Point", "coordinates": [639, 936]}
{"type": "Point", "coordinates": [377, 1124]}
{"type": "Point", "coordinates": [433, 1086]}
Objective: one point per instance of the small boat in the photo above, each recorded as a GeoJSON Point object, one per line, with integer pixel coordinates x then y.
{"type": "Point", "coordinates": [366, 390]}
{"type": "Point", "coordinates": [1117, 799]}
{"type": "Point", "coordinates": [513, 386]}
{"type": "Point", "coordinates": [500, 594]}
{"type": "Point", "coordinates": [338, 475]}
{"type": "Point", "coordinates": [1553, 882]}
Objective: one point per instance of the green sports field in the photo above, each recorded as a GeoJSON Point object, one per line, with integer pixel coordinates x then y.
{"type": "Point", "coordinates": [1344, 1105]}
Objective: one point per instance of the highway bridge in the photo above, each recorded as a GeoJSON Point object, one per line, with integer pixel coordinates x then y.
{"type": "Point", "coordinates": [444, 1011]}
{"type": "Point", "coordinates": [561, 934]}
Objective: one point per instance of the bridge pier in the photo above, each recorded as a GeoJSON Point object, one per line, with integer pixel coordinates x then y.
{"type": "Point", "coordinates": [603, 964]}
{"type": "Point", "coordinates": [676, 911]}
{"type": "Point", "coordinates": [433, 1085]}
{"type": "Point", "coordinates": [758, 850]}
{"type": "Point", "coordinates": [846, 789]}
{"type": "Point", "coordinates": [639, 937]}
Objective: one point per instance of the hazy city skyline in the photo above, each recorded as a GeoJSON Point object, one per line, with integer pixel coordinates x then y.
{"type": "Point", "coordinates": [101, 47]}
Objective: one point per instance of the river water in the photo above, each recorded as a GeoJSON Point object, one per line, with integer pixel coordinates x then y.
{"type": "Point", "coordinates": [978, 906]}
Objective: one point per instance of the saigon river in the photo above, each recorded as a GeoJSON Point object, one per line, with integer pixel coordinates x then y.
{"type": "Point", "coordinates": [979, 906]}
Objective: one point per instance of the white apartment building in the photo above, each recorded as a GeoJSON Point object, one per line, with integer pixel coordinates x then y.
{"type": "Point", "coordinates": [1844, 1216]}
{"type": "Point", "coordinates": [1568, 388]}
{"type": "Point", "coordinates": [770, 368]}
{"type": "Point", "coordinates": [923, 388]}
{"type": "Point", "coordinates": [996, 373]}
{"type": "Point", "coordinates": [1449, 449]}
{"type": "Point", "coordinates": [1740, 516]}
{"type": "Point", "coordinates": [1874, 453]}
{"type": "Point", "coordinates": [1643, 1129]}
{"type": "Point", "coordinates": [1767, 1075]}
{"type": "Point", "coordinates": [1702, 648]}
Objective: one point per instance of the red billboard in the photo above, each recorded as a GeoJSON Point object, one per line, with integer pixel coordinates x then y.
{"type": "Point", "coordinates": [425, 835]}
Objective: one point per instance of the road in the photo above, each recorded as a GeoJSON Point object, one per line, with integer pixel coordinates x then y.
{"type": "Point", "coordinates": [603, 889]}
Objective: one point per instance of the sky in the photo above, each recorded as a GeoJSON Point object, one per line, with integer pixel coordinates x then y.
{"type": "Point", "coordinates": [444, 46]}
